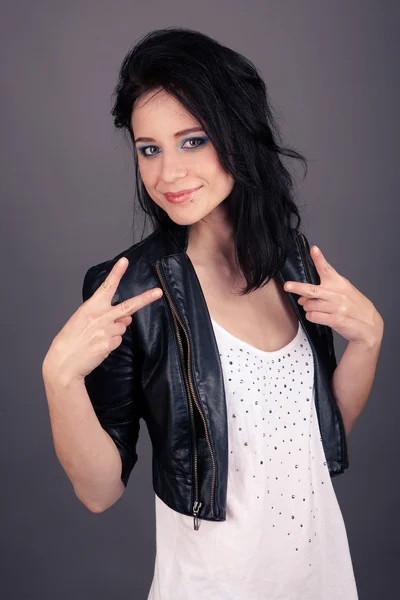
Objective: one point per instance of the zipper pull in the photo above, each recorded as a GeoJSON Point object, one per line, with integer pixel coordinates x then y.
{"type": "Point", "coordinates": [196, 508]}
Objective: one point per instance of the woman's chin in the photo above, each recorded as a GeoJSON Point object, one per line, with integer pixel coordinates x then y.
{"type": "Point", "coordinates": [182, 219]}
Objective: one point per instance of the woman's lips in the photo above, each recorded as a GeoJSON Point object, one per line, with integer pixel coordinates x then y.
{"type": "Point", "coordinates": [178, 198]}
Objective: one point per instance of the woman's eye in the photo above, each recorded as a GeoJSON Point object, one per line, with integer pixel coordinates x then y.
{"type": "Point", "coordinates": [143, 150]}
{"type": "Point", "coordinates": [199, 141]}
{"type": "Point", "coordinates": [195, 140]}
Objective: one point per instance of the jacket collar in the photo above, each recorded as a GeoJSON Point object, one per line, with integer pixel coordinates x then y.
{"type": "Point", "coordinates": [293, 268]}
{"type": "Point", "coordinates": [180, 235]}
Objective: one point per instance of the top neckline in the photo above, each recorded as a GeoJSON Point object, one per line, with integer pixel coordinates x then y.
{"type": "Point", "coordinates": [255, 350]}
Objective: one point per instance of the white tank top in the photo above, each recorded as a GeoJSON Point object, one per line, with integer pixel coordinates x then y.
{"type": "Point", "coordinates": [284, 537]}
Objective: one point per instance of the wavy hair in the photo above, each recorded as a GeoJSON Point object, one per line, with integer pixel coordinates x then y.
{"type": "Point", "coordinates": [224, 91]}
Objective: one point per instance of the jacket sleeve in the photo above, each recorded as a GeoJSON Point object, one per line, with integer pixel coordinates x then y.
{"type": "Point", "coordinates": [110, 385]}
{"type": "Point", "coordinates": [328, 330]}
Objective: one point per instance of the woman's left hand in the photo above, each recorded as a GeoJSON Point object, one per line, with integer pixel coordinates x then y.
{"type": "Point", "coordinates": [338, 304]}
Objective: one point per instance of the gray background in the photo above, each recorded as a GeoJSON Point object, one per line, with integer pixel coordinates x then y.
{"type": "Point", "coordinates": [67, 186]}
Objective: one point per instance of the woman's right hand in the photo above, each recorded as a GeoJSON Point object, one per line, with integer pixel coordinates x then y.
{"type": "Point", "coordinates": [95, 329]}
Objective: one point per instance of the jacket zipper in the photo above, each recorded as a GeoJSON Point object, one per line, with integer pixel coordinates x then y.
{"type": "Point", "coordinates": [191, 395]}
{"type": "Point", "coordinates": [312, 281]}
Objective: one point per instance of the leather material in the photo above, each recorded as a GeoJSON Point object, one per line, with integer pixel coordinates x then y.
{"type": "Point", "coordinates": [167, 371]}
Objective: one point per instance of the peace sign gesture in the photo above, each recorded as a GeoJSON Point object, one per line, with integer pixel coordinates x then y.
{"type": "Point", "coordinates": [338, 304]}
{"type": "Point", "coordinates": [95, 329]}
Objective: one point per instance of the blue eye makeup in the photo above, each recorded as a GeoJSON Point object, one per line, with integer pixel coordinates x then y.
{"type": "Point", "coordinates": [201, 141]}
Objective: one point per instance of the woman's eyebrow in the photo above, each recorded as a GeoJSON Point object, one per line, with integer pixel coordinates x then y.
{"type": "Point", "coordinates": [177, 134]}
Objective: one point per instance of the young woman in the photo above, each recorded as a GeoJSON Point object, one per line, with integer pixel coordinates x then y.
{"type": "Point", "coordinates": [232, 377]}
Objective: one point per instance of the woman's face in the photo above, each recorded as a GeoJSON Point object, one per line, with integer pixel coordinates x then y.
{"type": "Point", "coordinates": [170, 161]}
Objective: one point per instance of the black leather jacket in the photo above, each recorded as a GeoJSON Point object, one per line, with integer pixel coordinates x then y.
{"type": "Point", "coordinates": [167, 371]}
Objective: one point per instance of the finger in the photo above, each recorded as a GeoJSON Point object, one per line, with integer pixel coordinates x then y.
{"type": "Point", "coordinates": [325, 270]}
{"type": "Point", "coordinates": [126, 320]}
{"type": "Point", "coordinates": [308, 290]}
{"type": "Point", "coordinates": [135, 303]}
{"type": "Point", "coordinates": [111, 282]}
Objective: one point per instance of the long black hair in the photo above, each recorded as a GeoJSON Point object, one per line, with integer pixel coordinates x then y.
{"type": "Point", "coordinates": [224, 91]}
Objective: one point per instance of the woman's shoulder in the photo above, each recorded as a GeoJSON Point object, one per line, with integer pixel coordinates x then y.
{"type": "Point", "coordinates": [134, 277]}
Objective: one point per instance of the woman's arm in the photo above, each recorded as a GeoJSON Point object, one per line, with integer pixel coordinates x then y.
{"type": "Point", "coordinates": [85, 450]}
{"type": "Point", "coordinates": [353, 378]}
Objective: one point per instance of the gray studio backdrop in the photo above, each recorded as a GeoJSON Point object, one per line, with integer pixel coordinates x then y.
{"type": "Point", "coordinates": [67, 186]}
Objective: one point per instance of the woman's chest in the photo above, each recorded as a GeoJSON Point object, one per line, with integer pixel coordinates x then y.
{"type": "Point", "coordinates": [263, 318]}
